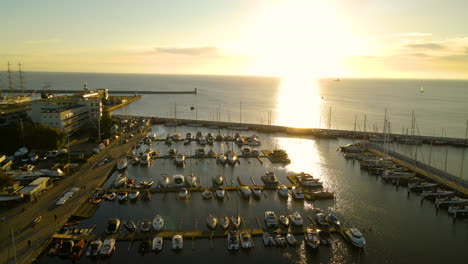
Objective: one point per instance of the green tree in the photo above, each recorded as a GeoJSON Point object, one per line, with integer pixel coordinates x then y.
{"type": "Point", "coordinates": [106, 123]}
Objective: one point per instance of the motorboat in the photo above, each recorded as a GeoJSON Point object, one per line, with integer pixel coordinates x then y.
{"type": "Point", "coordinates": [220, 193]}
{"type": "Point", "coordinates": [224, 222]}
{"type": "Point", "coordinates": [176, 137]}
{"type": "Point", "coordinates": [311, 238]}
{"type": "Point", "coordinates": [255, 152]}
{"type": "Point", "coordinates": [191, 181]}
{"type": "Point", "coordinates": [256, 192]}
{"type": "Point", "coordinates": [271, 219]}
{"type": "Point", "coordinates": [94, 248]}
{"type": "Point", "coordinates": [210, 140]}
{"type": "Point", "coordinates": [145, 159]}
{"type": "Point", "coordinates": [108, 247]}
{"type": "Point", "coordinates": [120, 180]}
{"type": "Point", "coordinates": [279, 156]}
{"type": "Point", "coordinates": [246, 240]}
{"type": "Point", "coordinates": [212, 153]}
{"type": "Point", "coordinates": [233, 240]}
{"type": "Point", "coordinates": [135, 160]}
{"type": "Point", "coordinates": [236, 221]}
{"type": "Point", "coordinates": [308, 181]}
{"type": "Point", "coordinates": [130, 226]}
{"type": "Point", "coordinates": [421, 186]}
{"type": "Point", "coordinates": [146, 184]}
{"type": "Point", "coordinates": [283, 191]}
{"type": "Point", "coordinates": [207, 194]}
{"type": "Point", "coordinates": [157, 244]}
{"type": "Point", "coordinates": [321, 219]}
{"type": "Point", "coordinates": [211, 221]}
{"type": "Point", "coordinates": [168, 140]}
{"type": "Point", "coordinates": [332, 220]}
{"type": "Point", "coordinates": [187, 142]}
{"type": "Point", "coordinates": [270, 178]}
{"type": "Point", "coordinates": [355, 237]}
{"type": "Point", "coordinates": [284, 220]}
{"type": "Point", "coordinates": [165, 181]}
{"type": "Point", "coordinates": [239, 141]}
{"type": "Point", "coordinates": [222, 158]}
{"type": "Point", "coordinates": [268, 239]}
{"type": "Point", "coordinates": [200, 152]}
{"type": "Point", "coordinates": [298, 193]}
{"type": "Point", "coordinates": [133, 195]}
{"type": "Point", "coordinates": [123, 196]}
{"type": "Point", "coordinates": [279, 239]}
{"type": "Point", "coordinates": [177, 242]}
{"type": "Point", "coordinates": [198, 135]}
{"type": "Point", "coordinates": [172, 152]}
{"type": "Point", "coordinates": [113, 226]}
{"type": "Point", "coordinates": [145, 225]}
{"type": "Point", "coordinates": [232, 157]}
{"type": "Point", "coordinates": [219, 137]}
{"type": "Point", "coordinates": [178, 181]}
{"type": "Point", "coordinates": [291, 239]}
{"type": "Point", "coordinates": [449, 201]}
{"type": "Point", "coordinates": [130, 182]}
{"type": "Point", "coordinates": [122, 163]}
{"type": "Point", "coordinates": [456, 210]}
{"type": "Point", "coordinates": [71, 224]}
{"type": "Point", "coordinates": [202, 141]}
{"type": "Point", "coordinates": [111, 196]}
{"type": "Point", "coordinates": [218, 180]}
{"type": "Point", "coordinates": [183, 194]}
{"type": "Point", "coordinates": [325, 237]}
{"type": "Point", "coordinates": [77, 249]}
{"type": "Point", "coordinates": [245, 192]}
{"type": "Point", "coordinates": [158, 223]}
{"type": "Point", "coordinates": [437, 193]}
{"type": "Point", "coordinates": [180, 159]}
{"type": "Point", "coordinates": [296, 219]}
{"type": "Point", "coordinates": [246, 151]}
{"type": "Point", "coordinates": [188, 136]}
{"type": "Point", "coordinates": [229, 138]}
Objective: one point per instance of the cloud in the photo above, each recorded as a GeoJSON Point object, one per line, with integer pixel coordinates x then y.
{"type": "Point", "coordinates": [456, 58]}
{"type": "Point", "coordinates": [431, 46]}
{"type": "Point", "coordinates": [420, 54]}
{"type": "Point", "coordinates": [43, 41]}
{"type": "Point", "coordinates": [192, 51]}
{"type": "Point", "coordinates": [414, 34]}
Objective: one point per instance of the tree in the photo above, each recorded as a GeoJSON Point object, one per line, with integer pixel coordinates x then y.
{"type": "Point", "coordinates": [5, 180]}
{"type": "Point", "coordinates": [106, 124]}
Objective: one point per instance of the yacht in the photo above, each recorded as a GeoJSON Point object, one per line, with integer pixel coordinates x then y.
{"type": "Point", "coordinates": [220, 193]}
{"type": "Point", "coordinates": [191, 181]}
{"type": "Point", "coordinates": [219, 137]}
{"type": "Point", "coordinates": [284, 220]}
{"type": "Point", "coordinates": [108, 247]}
{"type": "Point", "coordinates": [291, 239]}
{"type": "Point", "coordinates": [311, 238]}
{"type": "Point", "coordinates": [188, 136]}
{"type": "Point", "coordinates": [231, 157]}
{"type": "Point", "coordinates": [211, 221]}
{"type": "Point", "coordinates": [332, 220]}
{"type": "Point", "coordinates": [321, 219]}
{"type": "Point", "coordinates": [256, 192]}
{"type": "Point", "coordinates": [130, 226]}
{"type": "Point", "coordinates": [157, 244]}
{"type": "Point", "coordinates": [236, 221]}
{"type": "Point", "coordinates": [202, 141]}
{"type": "Point", "coordinates": [271, 219]}
{"type": "Point", "coordinates": [298, 193]}
{"type": "Point", "coordinates": [198, 135]}
{"type": "Point", "coordinates": [145, 225]}
{"type": "Point", "coordinates": [246, 240]}
{"type": "Point", "coordinates": [122, 163]}
{"type": "Point", "coordinates": [123, 196]}
{"type": "Point", "coordinates": [219, 180]}
{"type": "Point", "coordinates": [210, 140]}
{"type": "Point", "coordinates": [222, 158]}
{"type": "Point", "coordinates": [296, 219]}
{"type": "Point", "coordinates": [165, 182]}
{"type": "Point", "coordinates": [233, 240]}
{"type": "Point", "coordinates": [255, 152]}
{"type": "Point", "coordinates": [176, 137]}
{"type": "Point", "coordinates": [224, 222]}
{"type": "Point", "coordinates": [445, 202]}
{"type": "Point", "coordinates": [245, 192]}
{"type": "Point", "coordinates": [172, 152]}
{"type": "Point", "coordinates": [77, 249]}
{"type": "Point", "coordinates": [177, 242]}
{"type": "Point", "coordinates": [178, 181]}
{"type": "Point", "coordinates": [120, 180]}
{"type": "Point", "coordinates": [146, 184]}
{"type": "Point", "coordinates": [180, 159]}
{"type": "Point", "coordinates": [112, 196]}
{"type": "Point", "coordinates": [158, 223]}
{"type": "Point", "coordinates": [421, 186]}
{"type": "Point", "coordinates": [280, 240]}
{"type": "Point", "coordinates": [355, 237]}
{"type": "Point", "coordinates": [437, 193]}
{"type": "Point", "coordinates": [283, 191]}
{"type": "Point", "coordinates": [246, 152]}
{"type": "Point", "coordinates": [134, 195]}
{"type": "Point", "coordinates": [212, 153]}
{"type": "Point", "coordinates": [207, 194]}
{"type": "Point", "coordinates": [268, 239]}
{"type": "Point", "coordinates": [270, 178]}
{"type": "Point", "coordinates": [94, 248]}
{"type": "Point", "coordinates": [113, 226]}
{"type": "Point", "coordinates": [229, 138]}
{"type": "Point", "coordinates": [200, 152]}
{"type": "Point", "coordinates": [325, 237]}
{"type": "Point", "coordinates": [183, 194]}
{"type": "Point", "coordinates": [239, 141]}
{"type": "Point", "coordinates": [145, 159]}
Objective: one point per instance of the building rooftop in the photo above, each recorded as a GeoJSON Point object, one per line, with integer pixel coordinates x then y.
{"type": "Point", "coordinates": [60, 108]}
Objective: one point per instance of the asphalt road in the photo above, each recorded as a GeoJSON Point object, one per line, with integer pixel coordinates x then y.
{"type": "Point", "coordinates": [18, 220]}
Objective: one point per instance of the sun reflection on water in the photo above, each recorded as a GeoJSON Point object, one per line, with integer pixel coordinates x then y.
{"type": "Point", "coordinates": [298, 102]}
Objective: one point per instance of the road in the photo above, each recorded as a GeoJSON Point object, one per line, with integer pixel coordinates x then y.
{"type": "Point", "coordinates": [18, 220]}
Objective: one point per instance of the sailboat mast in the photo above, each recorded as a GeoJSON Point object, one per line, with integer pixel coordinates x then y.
{"type": "Point", "coordinates": [240, 112]}
{"type": "Point", "coordinates": [10, 81]}
{"type": "Point", "coordinates": [329, 119]}
{"type": "Point", "coordinates": [463, 152]}
{"type": "Point", "coordinates": [21, 79]}
{"type": "Point", "coordinates": [365, 122]}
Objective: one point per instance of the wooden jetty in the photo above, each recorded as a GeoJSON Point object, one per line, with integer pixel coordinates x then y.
{"type": "Point", "coordinates": [86, 210]}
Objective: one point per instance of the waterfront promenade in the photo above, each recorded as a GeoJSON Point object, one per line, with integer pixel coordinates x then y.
{"type": "Point", "coordinates": [18, 220]}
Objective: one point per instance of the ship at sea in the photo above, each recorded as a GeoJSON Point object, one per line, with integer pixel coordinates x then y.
{"type": "Point", "coordinates": [14, 98]}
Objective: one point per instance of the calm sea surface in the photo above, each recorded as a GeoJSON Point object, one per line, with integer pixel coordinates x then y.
{"type": "Point", "coordinates": [398, 228]}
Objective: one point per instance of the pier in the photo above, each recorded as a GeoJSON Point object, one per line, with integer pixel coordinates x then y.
{"type": "Point", "coordinates": [64, 91]}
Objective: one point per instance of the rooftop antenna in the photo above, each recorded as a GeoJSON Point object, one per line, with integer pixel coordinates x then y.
{"type": "Point", "coordinates": [21, 78]}
{"type": "Point", "coordinates": [10, 82]}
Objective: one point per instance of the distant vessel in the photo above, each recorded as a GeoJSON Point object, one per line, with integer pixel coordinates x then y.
{"type": "Point", "coordinates": [421, 90]}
